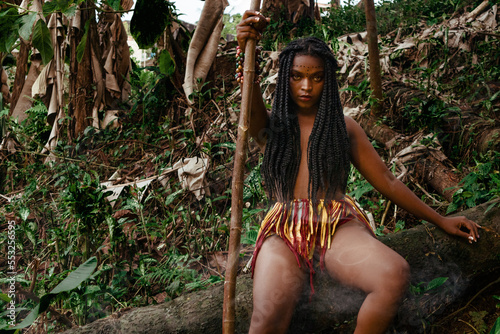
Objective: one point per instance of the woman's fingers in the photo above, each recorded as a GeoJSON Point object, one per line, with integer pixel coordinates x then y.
{"type": "Point", "coordinates": [251, 26]}
{"type": "Point", "coordinates": [462, 227]}
{"type": "Point", "coordinates": [470, 226]}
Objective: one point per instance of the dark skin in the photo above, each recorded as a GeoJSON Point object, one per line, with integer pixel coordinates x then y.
{"type": "Point", "coordinates": [355, 258]}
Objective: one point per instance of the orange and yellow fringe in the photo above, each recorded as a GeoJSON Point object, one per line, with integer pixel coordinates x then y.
{"type": "Point", "coordinates": [303, 228]}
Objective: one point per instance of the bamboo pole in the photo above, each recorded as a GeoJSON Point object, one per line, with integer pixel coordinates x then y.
{"type": "Point", "coordinates": [228, 314]}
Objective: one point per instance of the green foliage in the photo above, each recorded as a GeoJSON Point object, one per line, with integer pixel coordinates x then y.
{"type": "Point", "coordinates": [43, 41]}
{"type": "Point", "coordinates": [34, 128]}
{"type": "Point", "coordinates": [26, 25]}
{"type": "Point", "coordinates": [429, 113]}
{"type": "Point", "coordinates": [478, 322]}
{"type": "Point", "coordinates": [496, 327]}
{"type": "Point", "coordinates": [166, 63]}
{"type": "Point", "coordinates": [481, 185]}
{"type": "Point", "coordinates": [149, 21]}
{"type": "Point", "coordinates": [230, 23]}
{"type": "Point", "coordinates": [73, 280]}
{"type": "Point", "coordinates": [8, 26]}
{"type": "Point", "coordinates": [400, 225]}
{"type": "Point", "coordinates": [114, 4]}
{"type": "Point", "coordinates": [345, 20]}
{"type": "Point", "coordinates": [66, 7]}
{"type": "Point", "coordinates": [422, 287]}
{"type": "Point", "coordinates": [361, 92]}
{"type": "Point", "coordinates": [174, 274]}
{"type": "Point", "coordinates": [253, 185]}
{"type": "Point", "coordinates": [80, 49]}
{"type": "Point", "coordinates": [358, 187]}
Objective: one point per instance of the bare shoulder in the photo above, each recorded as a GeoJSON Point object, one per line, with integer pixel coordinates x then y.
{"type": "Point", "coordinates": [353, 128]}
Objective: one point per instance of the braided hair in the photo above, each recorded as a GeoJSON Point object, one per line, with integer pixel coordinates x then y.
{"type": "Point", "coordinates": [328, 156]}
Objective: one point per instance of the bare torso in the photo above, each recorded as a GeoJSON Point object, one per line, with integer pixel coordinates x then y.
{"type": "Point", "coordinates": [301, 185]}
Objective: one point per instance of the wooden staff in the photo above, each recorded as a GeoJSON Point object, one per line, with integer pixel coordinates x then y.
{"type": "Point", "coordinates": [240, 156]}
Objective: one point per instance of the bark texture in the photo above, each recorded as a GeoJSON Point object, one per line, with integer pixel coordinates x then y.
{"type": "Point", "coordinates": [20, 78]}
{"type": "Point", "coordinates": [430, 252]}
{"type": "Point", "coordinates": [374, 58]}
{"type": "Point", "coordinates": [432, 171]}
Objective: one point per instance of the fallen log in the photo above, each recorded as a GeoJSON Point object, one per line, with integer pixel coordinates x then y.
{"type": "Point", "coordinates": [441, 178]}
{"type": "Point", "coordinates": [431, 253]}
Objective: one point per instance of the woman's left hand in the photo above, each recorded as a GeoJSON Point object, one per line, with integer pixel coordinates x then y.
{"type": "Point", "coordinates": [462, 227]}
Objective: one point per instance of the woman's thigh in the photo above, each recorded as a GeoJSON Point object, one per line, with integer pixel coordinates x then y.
{"type": "Point", "coordinates": [358, 259]}
{"type": "Point", "coordinates": [277, 285]}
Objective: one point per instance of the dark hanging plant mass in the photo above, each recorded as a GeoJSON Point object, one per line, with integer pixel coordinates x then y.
{"type": "Point", "coordinates": [150, 19]}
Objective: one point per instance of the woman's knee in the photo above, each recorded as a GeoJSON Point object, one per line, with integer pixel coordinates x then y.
{"type": "Point", "coordinates": [395, 276]}
{"type": "Point", "coordinates": [268, 319]}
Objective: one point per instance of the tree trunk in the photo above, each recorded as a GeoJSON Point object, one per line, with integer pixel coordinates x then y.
{"type": "Point", "coordinates": [295, 9]}
{"type": "Point", "coordinates": [438, 176]}
{"type": "Point", "coordinates": [21, 70]}
{"type": "Point", "coordinates": [433, 171]}
{"type": "Point", "coordinates": [472, 132]}
{"type": "Point", "coordinates": [430, 252]}
{"type": "Point", "coordinates": [374, 58]}
{"type": "Point", "coordinates": [81, 80]}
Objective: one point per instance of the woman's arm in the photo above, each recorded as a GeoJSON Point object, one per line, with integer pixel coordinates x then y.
{"type": "Point", "coordinates": [251, 26]}
{"type": "Point", "coordinates": [370, 165]}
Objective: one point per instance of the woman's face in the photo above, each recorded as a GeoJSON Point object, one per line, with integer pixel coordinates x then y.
{"type": "Point", "coordinates": [307, 78]}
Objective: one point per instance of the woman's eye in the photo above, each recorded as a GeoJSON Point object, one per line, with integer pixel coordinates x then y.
{"type": "Point", "coordinates": [295, 77]}
{"type": "Point", "coordinates": [318, 78]}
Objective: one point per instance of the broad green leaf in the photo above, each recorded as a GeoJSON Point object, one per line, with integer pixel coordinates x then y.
{"type": "Point", "coordinates": [70, 11]}
{"type": "Point", "coordinates": [150, 19]}
{"type": "Point", "coordinates": [5, 298]}
{"type": "Point", "coordinates": [26, 25]}
{"type": "Point", "coordinates": [49, 8]}
{"type": "Point", "coordinates": [115, 4]}
{"type": "Point", "coordinates": [30, 232]}
{"type": "Point", "coordinates": [170, 198]}
{"type": "Point", "coordinates": [452, 207]}
{"type": "Point", "coordinates": [73, 280]}
{"type": "Point", "coordinates": [87, 180]}
{"type": "Point", "coordinates": [9, 29]}
{"type": "Point", "coordinates": [80, 49]}
{"type": "Point", "coordinates": [43, 41]}
{"type": "Point", "coordinates": [63, 5]}
{"type": "Point", "coordinates": [76, 277]}
{"type": "Point", "coordinates": [24, 212]}
{"type": "Point", "coordinates": [436, 283]}
{"type": "Point", "coordinates": [166, 63]}
{"type": "Point", "coordinates": [496, 327]}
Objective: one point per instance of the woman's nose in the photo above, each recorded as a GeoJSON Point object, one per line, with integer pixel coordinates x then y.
{"type": "Point", "coordinates": [306, 84]}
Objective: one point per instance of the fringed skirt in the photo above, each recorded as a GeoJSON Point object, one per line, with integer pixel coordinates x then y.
{"type": "Point", "coordinates": [304, 229]}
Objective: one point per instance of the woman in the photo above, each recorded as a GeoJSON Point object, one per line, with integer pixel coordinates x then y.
{"type": "Point", "coordinates": [308, 147]}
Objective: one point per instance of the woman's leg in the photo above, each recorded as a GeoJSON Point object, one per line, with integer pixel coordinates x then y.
{"type": "Point", "coordinates": [358, 259]}
{"type": "Point", "coordinates": [277, 286]}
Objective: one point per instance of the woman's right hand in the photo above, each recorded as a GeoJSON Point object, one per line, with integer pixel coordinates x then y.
{"type": "Point", "coordinates": [251, 26]}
